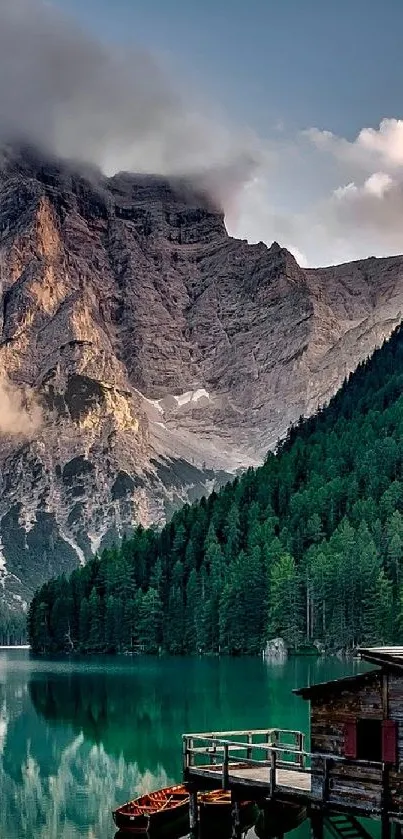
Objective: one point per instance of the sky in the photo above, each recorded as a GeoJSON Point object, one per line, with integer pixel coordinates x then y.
{"type": "Point", "coordinates": [291, 109]}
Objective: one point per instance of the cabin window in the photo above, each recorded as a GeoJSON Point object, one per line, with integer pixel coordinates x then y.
{"type": "Point", "coordinates": [369, 740]}
{"type": "Point", "coordinates": [372, 740]}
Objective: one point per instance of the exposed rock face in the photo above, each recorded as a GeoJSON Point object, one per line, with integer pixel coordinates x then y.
{"type": "Point", "coordinates": [276, 649]}
{"type": "Point", "coordinates": [163, 353]}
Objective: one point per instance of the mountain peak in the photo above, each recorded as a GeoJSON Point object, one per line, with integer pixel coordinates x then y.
{"type": "Point", "coordinates": [177, 207]}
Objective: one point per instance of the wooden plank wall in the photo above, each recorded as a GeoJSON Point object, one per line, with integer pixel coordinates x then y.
{"type": "Point", "coordinates": [395, 709]}
{"type": "Point", "coordinates": [395, 712]}
{"type": "Point", "coordinates": [348, 784]}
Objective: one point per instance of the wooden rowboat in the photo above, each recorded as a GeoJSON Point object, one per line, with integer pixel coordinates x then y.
{"type": "Point", "coordinates": [153, 811]}
{"type": "Point", "coordinates": [159, 810]}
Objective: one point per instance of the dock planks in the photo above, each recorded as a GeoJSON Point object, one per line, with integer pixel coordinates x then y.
{"type": "Point", "coordinates": [295, 783]}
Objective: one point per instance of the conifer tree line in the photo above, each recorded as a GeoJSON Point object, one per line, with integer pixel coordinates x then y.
{"type": "Point", "coordinates": [13, 627]}
{"type": "Point", "coordinates": [308, 547]}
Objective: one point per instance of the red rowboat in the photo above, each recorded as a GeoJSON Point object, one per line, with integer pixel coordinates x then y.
{"type": "Point", "coordinates": [153, 810]}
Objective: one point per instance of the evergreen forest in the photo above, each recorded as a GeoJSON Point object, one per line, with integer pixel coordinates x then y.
{"type": "Point", "coordinates": [308, 547]}
{"type": "Point", "coordinates": [13, 627]}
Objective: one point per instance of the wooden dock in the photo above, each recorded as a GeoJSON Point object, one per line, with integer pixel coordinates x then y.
{"type": "Point", "coordinates": [273, 762]}
{"type": "Point", "coordinates": [272, 765]}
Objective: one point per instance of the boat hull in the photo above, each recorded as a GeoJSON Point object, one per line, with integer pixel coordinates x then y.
{"type": "Point", "coordinates": [154, 812]}
{"type": "Point", "coordinates": [167, 810]}
{"type": "Point", "coordinates": [172, 828]}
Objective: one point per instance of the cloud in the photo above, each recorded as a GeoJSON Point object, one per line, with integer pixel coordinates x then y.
{"type": "Point", "coordinates": [373, 147]}
{"type": "Point", "coordinates": [20, 415]}
{"type": "Point", "coordinates": [325, 197]}
{"type": "Point", "coordinates": [254, 218]}
{"type": "Point", "coordinates": [116, 108]}
{"type": "Point", "coordinates": [336, 200]}
{"type": "Point", "coordinates": [377, 186]}
{"type": "Point", "coordinates": [386, 142]}
{"type": "Point", "coordinates": [374, 208]}
{"type": "Point", "coordinates": [362, 215]}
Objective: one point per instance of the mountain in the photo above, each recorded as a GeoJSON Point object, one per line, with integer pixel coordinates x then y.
{"type": "Point", "coordinates": [308, 546]}
{"type": "Point", "coordinates": [146, 354]}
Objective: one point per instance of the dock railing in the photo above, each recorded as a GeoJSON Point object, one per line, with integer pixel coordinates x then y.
{"type": "Point", "coordinates": [274, 748]}
{"type": "Point", "coordinates": [225, 753]}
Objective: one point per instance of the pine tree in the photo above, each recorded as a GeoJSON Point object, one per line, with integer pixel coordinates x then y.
{"type": "Point", "coordinates": [96, 639]}
{"type": "Point", "coordinates": [150, 620]}
{"type": "Point", "coordinates": [232, 533]}
{"type": "Point", "coordinates": [285, 612]}
{"type": "Point", "coordinates": [214, 563]}
{"type": "Point", "coordinates": [84, 624]}
{"type": "Point", "coordinates": [174, 627]}
{"type": "Point", "coordinates": [191, 630]}
{"type": "Point", "coordinates": [112, 622]}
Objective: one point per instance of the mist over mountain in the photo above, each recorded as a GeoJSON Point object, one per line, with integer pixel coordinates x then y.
{"type": "Point", "coordinates": [117, 108]}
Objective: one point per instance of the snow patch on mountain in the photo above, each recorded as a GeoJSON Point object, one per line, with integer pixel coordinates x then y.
{"type": "Point", "coordinates": [79, 551]}
{"type": "Point", "coordinates": [193, 396]}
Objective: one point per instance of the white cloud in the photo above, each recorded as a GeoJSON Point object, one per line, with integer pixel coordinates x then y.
{"type": "Point", "coordinates": [359, 211]}
{"type": "Point", "coordinates": [374, 207]}
{"type": "Point", "coordinates": [386, 142]}
{"type": "Point", "coordinates": [380, 147]}
{"type": "Point", "coordinates": [376, 185]}
{"type": "Point", "coordinates": [363, 215]}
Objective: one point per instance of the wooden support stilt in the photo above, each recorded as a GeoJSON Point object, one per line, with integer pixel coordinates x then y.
{"type": "Point", "coordinates": [316, 817]}
{"type": "Point", "coordinates": [193, 814]}
{"type": "Point", "coordinates": [273, 769]}
{"type": "Point", "coordinates": [398, 831]}
{"type": "Point", "coordinates": [236, 818]}
{"type": "Point", "coordinates": [386, 831]}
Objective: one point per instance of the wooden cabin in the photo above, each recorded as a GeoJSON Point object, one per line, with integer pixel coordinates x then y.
{"type": "Point", "coordinates": [357, 738]}
{"type": "Point", "coordinates": [354, 766]}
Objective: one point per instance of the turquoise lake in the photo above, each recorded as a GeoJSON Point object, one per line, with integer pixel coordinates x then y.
{"type": "Point", "coordinates": [78, 737]}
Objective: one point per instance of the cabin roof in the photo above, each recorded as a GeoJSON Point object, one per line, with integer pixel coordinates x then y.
{"type": "Point", "coordinates": [336, 684]}
{"type": "Point", "coordinates": [383, 656]}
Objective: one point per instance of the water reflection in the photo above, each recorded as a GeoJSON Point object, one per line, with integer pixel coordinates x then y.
{"type": "Point", "coordinates": [268, 823]}
{"type": "Point", "coordinates": [114, 712]}
{"type": "Point", "coordinates": [140, 712]}
{"type": "Point", "coordinates": [77, 739]}
{"type": "Point", "coordinates": [56, 782]}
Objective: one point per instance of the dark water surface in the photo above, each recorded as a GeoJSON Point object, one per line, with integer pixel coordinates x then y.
{"type": "Point", "coordinates": [78, 737]}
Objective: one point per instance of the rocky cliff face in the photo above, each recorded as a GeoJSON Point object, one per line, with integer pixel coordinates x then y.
{"type": "Point", "coordinates": [160, 354]}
